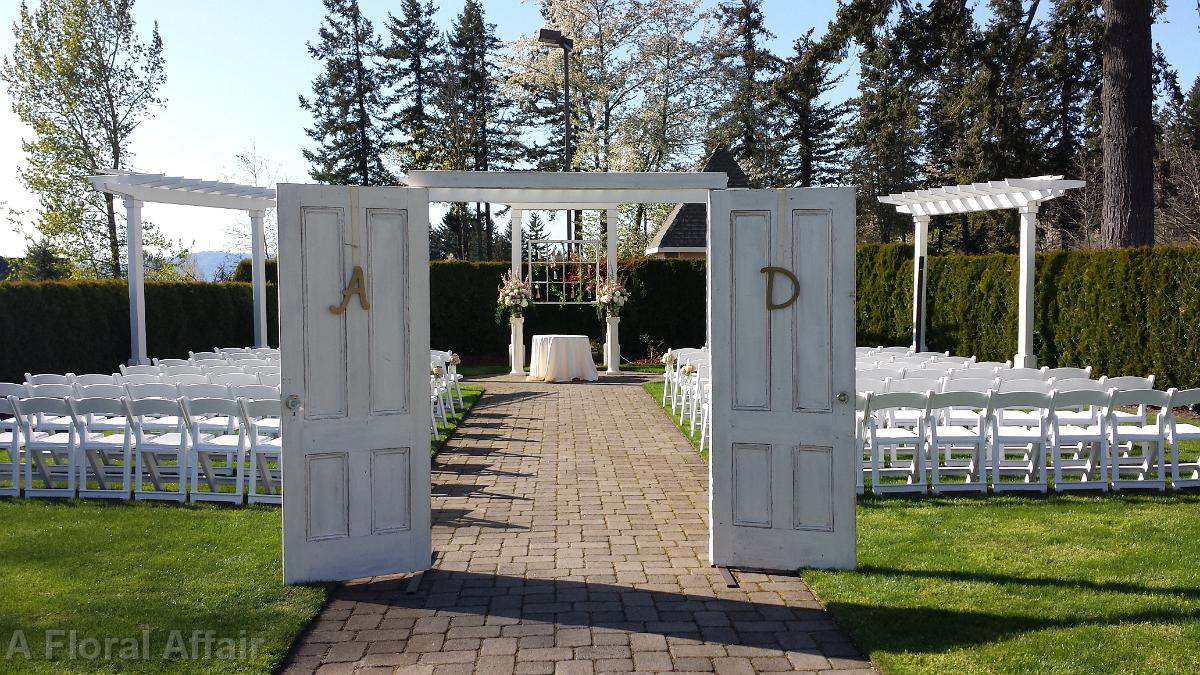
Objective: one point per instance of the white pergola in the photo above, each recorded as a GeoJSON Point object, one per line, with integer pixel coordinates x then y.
{"type": "Point", "coordinates": [137, 188]}
{"type": "Point", "coordinates": [1023, 194]}
{"type": "Point", "coordinates": [540, 190]}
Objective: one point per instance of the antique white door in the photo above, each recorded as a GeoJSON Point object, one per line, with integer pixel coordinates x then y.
{"type": "Point", "coordinates": [354, 337]}
{"type": "Point", "coordinates": [781, 332]}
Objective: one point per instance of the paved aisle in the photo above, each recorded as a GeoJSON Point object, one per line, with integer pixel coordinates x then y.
{"type": "Point", "coordinates": [570, 527]}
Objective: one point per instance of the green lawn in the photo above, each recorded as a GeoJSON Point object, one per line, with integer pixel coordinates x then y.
{"type": "Point", "coordinates": [1001, 584]}
{"type": "Point", "coordinates": [114, 570]}
{"type": "Point", "coordinates": [655, 389]}
{"type": "Point", "coordinates": [470, 395]}
{"type": "Point", "coordinates": [1061, 584]}
{"type": "Point", "coordinates": [100, 570]}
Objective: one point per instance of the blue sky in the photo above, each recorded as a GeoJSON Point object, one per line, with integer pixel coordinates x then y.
{"type": "Point", "coordinates": [236, 67]}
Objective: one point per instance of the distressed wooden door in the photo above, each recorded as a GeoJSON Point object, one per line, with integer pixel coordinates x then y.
{"type": "Point", "coordinates": [781, 333]}
{"type": "Point", "coordinates": [354, 337]}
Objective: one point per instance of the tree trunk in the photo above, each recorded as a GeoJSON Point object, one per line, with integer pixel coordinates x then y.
{"type": "Point", "coordinates": [1128, 125]}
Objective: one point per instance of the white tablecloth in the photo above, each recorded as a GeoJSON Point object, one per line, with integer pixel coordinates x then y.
{"type": "Point", "coordinates": [562, 358]}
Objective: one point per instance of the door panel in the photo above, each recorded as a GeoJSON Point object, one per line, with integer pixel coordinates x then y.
{"type": "Point", "coordinates": [356, 460]}
{"type": "Point", "coordinates": [782, 490]}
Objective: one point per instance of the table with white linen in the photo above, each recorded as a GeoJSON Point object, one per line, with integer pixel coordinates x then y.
{"type": "Point", "coordinates": [561, 358]}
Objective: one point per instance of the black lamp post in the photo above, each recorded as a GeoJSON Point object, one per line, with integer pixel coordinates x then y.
{"type": "Point", "coordinates": [554, 38]}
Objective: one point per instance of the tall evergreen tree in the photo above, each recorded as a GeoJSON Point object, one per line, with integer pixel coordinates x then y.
{"type": "Point", "coordinates": [747, 121]}
{"type": "Point", "coordinates": [409, 71]}
{"type": "Point", "coordinates": [812, 127]}
{"type": "Point", "coordinates": [347, 103]}
{"type": "Point", "coordinates": [535, 229]}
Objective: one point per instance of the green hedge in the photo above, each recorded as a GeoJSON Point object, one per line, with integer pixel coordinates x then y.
{"type": "Point", "coordinates": [243, 272]}
{"type": "Point", "coordinates": [1123, 311]}
{"type": "Point", "coordinates": [83, 326]}
{"type": "Point", "coordinates": [1131, 311]}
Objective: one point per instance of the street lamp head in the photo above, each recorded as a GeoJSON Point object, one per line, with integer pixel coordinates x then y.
{"type": "Point", "coordinates": [555, 38]}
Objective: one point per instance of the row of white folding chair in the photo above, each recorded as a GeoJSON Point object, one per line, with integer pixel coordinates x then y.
{"type": "Point", "coordinates": [672, 376]}
{"type": "Point", "coordinates": [249, 366]}
{"type": "Point", "coordinates": [1076, 428]}
{"type": "Point", "coordinates": [238, 352]}
{"type": "Point", "coordinates": [161, 441]}
{"type": "Point", "coordinates": [975, 373]}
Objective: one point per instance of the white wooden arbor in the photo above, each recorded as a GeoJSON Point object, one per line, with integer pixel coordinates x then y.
{"type": "Point", "coordinates": [1023, 194]}
{"type": "Point", "coordinates": [547, 191]}
{"type": "Point", "coordinates": [137, 188]}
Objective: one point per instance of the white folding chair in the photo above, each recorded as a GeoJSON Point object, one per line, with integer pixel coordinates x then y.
{"type": "Point", "coordinates": [973, 372]}
{"type": "Point", "coordinates": [159, 390]}
{"type": "Point", "coordinates": [141, 379]}
{"type": "Point", "coordinates": [233, 379]}
{"type": "Point", "coordinates": [1136, 450]}
{"type": "Point", "coordinates": [186, 378]}
{"type": "Point", "coordinates": [930, 372]}
{"type": "Point", "coordinates": [49, 378]}
{"type": "Point", "coordinates": [270, 379]}
{"type": "Point", "coordinates": [269, 426]}
{"type": "Point", "coordinates": [1125, 382]}
{"type": "Point", "coordinates": [909, 417]}
{"type": "Point", "coordinates": [206, 356]}
{"type": "Point", "coordinates": [215, 423]}
{"type": "Point", "coordinates": [96, 378]}
{"type": "Point", "coordinates": [264, 482]}
{"type": "Point", "coordinates": [958, 441]}
{"type": "Point", "coordinates": [10, 443]}
{"type": "Point", "coordinates": [104, 454]}
{"type": "Point", "coordinates": [904, 447]}
{"type": "Point", "coordinates": [170, 371]}
{"type": "Point", "coordinates": [1001, 365]}
{"type": "Point", "coordinates": [1184, 474]}
{"type": "Point", "coordinates": [212, 371]}
{"type": "Point", "coordinates": [101, 422]}
{"type": "Point", "coordinates": [1067, 373]}
{"type": "Point", "coordinates": [50, 422]}
{"type": "Point", "coordinates": [171, 362]}
{"type": "Point", "coordinates": [1018, 450]}
{"type": "Point", "coordinates": [50, 454]}
{"type": "Point", "coordinates": [219, 458]}
{"type": "Point", "coordinates": [160, 449]}
{"type": "Point", "coordinates": [1020, 374]}
{"type": "Point", "coordinates": [140, 370]}
{"type": "Point", "coordinates": [862, 400]}
{"type": "Point", "coordinates": [1079, 446]}
{"type": "Point", "coordinates": [1018, 417]}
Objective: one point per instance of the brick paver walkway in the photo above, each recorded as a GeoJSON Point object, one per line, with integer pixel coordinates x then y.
{"type": "Point", "coordinates": [571, 537]}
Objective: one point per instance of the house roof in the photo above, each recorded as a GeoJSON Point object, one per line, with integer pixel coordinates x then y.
{"type": "Point", "coordinates": [686, 228]}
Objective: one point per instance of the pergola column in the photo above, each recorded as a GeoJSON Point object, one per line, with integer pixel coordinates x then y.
{"type": "Point", "coordinates": [612, 339]}
{"type": "Point", "coordinates": [516, 339]}
{"type": "Point", "coordinates": [1025, 358]}
{"type": "Point", "coordinates": [137, 282]}
{"type": "Point", "coordinates": [258, 276]}
{"type": "Point", "coordinates": [920, 275]}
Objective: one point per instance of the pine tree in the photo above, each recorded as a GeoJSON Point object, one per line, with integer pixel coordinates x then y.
{"type": "Point", "coordinates": [534, 229]}
{"type": "Point", "coordinates": [347, 103]}
{"type": "Point", "coordinates": [41, 262]}
{"type": "Point", "coordinates": [746, 121]}
{"type": "Point", "coordinates": [811, 127]}
{"type": "Point", "coordinates": [409, 71]}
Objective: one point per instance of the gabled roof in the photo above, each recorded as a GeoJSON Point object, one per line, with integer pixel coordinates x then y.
{"type": "Point", "coordinates": [686, 228]}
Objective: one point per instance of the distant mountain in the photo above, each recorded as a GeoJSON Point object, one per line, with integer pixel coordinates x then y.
{"type": "Point", "coordinates": [208, 262]}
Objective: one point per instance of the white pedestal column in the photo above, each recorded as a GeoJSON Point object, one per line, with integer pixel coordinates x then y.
{"type": "Point", "coordinates": [516, 345]}
{"type": "Point", "coordinates": [1025, 358]}
{"type": "Point", "coordinates": [920, 275]}
{"type": "Point", "coordinates": [258, 276]}
{"type": "Point", "coordinates": [137, 286]}
{"type": "Point", "coordinates": [612, 346]}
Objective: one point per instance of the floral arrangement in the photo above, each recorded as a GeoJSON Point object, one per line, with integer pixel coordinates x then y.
{"type": "Point", "coordinates": [436, 371]}
{"type": "Point", "coordinates": [454, 359]}
{"type": "Point", "coordinates": [515, 295]}
{"type": "Point", "coordinates": [668, 359]}
{"type": "Point", "coordinates": [611, 296]}
{"type": "Point", "coordinates": [689, 369]}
